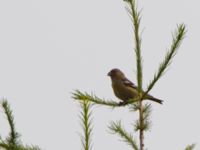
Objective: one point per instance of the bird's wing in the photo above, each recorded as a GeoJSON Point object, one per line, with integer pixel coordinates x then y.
{"type": "Point", "coordinates": [127, 82]}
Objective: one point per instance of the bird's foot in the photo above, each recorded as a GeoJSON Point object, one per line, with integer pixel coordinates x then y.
{"type": "Point", "coordinates": [122, 103]}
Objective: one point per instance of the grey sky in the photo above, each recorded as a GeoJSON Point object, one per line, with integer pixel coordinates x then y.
{"type": "Point", "coordinates": [49, 48]}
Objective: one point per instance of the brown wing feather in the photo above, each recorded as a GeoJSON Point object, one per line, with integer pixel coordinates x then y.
{"type": "Point", "coordinates": [127, 82]}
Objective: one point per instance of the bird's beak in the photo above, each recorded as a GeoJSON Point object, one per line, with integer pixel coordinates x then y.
{"type": "Point", "coordinates": [109, 74]}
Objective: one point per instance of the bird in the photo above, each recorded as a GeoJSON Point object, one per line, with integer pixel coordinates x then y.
{"type": "Point", "coordinates": [124, 89]}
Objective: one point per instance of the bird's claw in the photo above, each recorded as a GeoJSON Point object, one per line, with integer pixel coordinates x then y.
{"type": "Point", "coordinates": [122, 103]}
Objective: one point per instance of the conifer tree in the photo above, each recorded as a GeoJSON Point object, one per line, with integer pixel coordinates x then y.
{"type": "Point", "coordinates": [137, 105]}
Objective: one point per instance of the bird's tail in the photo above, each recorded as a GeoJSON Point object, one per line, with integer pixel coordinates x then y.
{"type": "Point", "coordinates": [155, 99]}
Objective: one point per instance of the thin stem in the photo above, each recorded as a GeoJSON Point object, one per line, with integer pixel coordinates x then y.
{"type": "Point", "coordinates": [80, 96]}
{"type": "Point", "coordinates": [86, 123]}
{"type": "Point", "coordinates": [177, 39]}
{"type": "Point", "coordinates": [13, 135]}
{"type": "Point", "coordinates": [136, 23]}
{"type": "Point", "coordinates": [141, 118]}
{"type": "Point", "coordinates": [116, 127]}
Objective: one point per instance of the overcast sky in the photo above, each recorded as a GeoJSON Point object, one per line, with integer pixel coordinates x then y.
{"type": "Point", "coordinates": [48, 48]}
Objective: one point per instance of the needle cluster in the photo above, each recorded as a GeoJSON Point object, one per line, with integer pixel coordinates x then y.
{"type": "Point", "coordinates": [12, 141]}
{"type": "Point", "coordinates": [85, 117]}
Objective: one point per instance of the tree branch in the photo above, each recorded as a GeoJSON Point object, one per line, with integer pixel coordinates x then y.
{"type": "Point", "coordinates": [78, 95]}
{"type": "Point", "coordinates": [177, 39]}
{"type": "Point", "coordinates": [128, 138]}
{"type": "Point", "coordinates": [86, 123]}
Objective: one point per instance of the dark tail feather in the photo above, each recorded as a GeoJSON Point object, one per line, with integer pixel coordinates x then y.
{"type": "Point", "coordinates": [155, 100]}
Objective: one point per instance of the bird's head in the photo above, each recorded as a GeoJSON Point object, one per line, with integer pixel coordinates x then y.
{"type": "Point", "coordinates": [115, 73]}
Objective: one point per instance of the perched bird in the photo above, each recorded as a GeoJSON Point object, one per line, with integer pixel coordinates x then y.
{"type": "Point", "coordinates": [124, 89]}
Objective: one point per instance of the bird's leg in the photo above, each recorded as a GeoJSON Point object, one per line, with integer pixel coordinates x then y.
{"type": "Point", "coordinates": [122, 103]}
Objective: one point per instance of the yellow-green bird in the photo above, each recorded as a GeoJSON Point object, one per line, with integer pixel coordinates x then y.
{"type": "Point", "coordinates": [124, 89]}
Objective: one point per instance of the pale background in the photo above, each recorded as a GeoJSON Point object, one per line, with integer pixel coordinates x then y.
{"type": "Point", "coordinates": [49, 48]}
